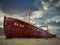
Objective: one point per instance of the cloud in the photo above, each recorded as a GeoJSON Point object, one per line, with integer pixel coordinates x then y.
{"type": "Point", "coordinates": [56, 19]}
{"type": "Point", "coordinates": [47, 8]}
{"type": "Point", "coordinates": [58, 3]}
{"type": "Point", "coordinates": [36, 14]}
{"type": "Point", "coordinates": [45, 5]}
{"type": "Point", "coordinates": [17, 6]}
{"type": "Point", "coordinates": [1, 21]}
{"type": "Point", "coordinates": [1, 18]}
{"type": "Point", "coordinates": [54, 23]}
{"type": "Point", "coordinates": [50, 0]}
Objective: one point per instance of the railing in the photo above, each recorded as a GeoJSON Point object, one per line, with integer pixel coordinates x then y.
{"type": "Point", "coordinates": [46, 27]}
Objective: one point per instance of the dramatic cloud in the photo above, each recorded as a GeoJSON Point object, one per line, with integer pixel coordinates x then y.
{"type": "Point", "coordinates": [17, 6]}
{"type": "Point", "coordinates": [58, 3]}
{"type": "Point", "coordinates": [45, 5]}
{"type": "Point", "coordinates": [1, 21]}
{"type": "Point", "coordinates": [43, 12]}
{"type": "Point", "coordinates": [36, 14]}
{"type": "Point", "coordinates": [1, 18]}
{"type": "Point", "coordinates": [54, 23]}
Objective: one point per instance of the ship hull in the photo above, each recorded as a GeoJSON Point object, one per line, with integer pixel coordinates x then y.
{"type": "Point", "coordinates": [14, 28]}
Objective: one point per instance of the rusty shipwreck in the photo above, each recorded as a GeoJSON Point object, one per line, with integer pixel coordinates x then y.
{"type": "Point", "coordinates": [15, 28]}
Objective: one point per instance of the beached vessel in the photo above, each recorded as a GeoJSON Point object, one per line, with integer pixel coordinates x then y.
{"type": "Point", "coordinates": [15, 28]}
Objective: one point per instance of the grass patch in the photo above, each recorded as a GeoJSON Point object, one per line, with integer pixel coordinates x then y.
{"type": "Point", "coordinates": [29, 39]}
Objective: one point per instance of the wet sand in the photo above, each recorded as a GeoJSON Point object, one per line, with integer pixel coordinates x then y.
{"type": "Point", "coordinates": [29, 41]}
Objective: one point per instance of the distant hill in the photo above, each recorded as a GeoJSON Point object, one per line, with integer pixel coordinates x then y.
{"type": "Point", "coordinates": [1, 31]}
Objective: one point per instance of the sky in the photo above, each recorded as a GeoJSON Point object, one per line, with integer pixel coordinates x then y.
{"type": "Point", "coordinates": [43, 12]}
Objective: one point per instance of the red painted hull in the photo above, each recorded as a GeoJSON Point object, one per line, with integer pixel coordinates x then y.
{"type": "Point", "coordinates": [15, 28]}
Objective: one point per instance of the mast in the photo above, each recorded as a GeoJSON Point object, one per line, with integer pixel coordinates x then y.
{"type": "Point", "coordinates": [28, 14]}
